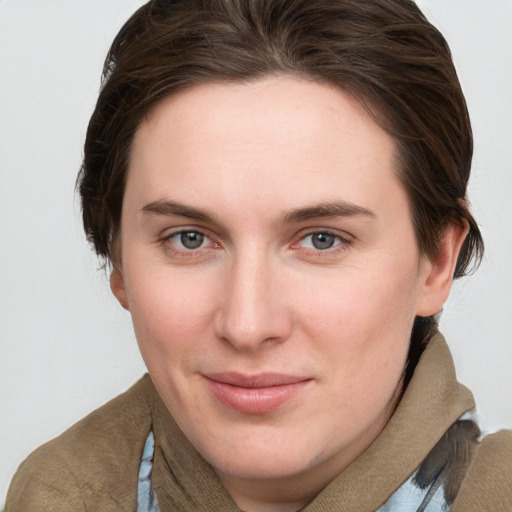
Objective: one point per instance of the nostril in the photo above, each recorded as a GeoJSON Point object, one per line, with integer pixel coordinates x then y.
{"type": "Point", "coordinates": [248, 329]}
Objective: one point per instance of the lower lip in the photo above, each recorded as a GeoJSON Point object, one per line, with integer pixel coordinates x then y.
{"type": "Point", "coordinates": [255, 400]}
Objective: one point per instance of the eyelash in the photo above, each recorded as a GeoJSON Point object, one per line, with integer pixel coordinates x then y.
{"type": "Point", "coordinates": [341, 243]}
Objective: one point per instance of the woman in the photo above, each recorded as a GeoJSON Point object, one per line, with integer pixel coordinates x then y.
{"type": "Point", "coordinates": [280, 190]}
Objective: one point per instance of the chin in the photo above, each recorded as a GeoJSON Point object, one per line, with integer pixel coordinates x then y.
{"type": "Point", "coordinates": [272, 456]}
{"type": "Point", "coordinates": [262, 466]}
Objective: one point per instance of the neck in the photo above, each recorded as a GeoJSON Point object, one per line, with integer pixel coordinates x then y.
{"type": "Point", "coordinates": [258, 495]}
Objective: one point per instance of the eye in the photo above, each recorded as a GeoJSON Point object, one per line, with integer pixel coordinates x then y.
{"type": "Point", "coordinates": [188, 240]}
{"type": "Point", "coordinates": [185, 245]}
{"type": "Point", "coordinates": [322, 241]}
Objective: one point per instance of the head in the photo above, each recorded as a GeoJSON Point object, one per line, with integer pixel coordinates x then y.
{"type": "Point", "coordinates": [379, 63]}
{"type": "Point", "coordinates": [384, 54]}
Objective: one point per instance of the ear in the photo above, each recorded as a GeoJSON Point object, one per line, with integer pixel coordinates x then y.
{"type": "Point", "coordinates": [118, 287]}
{"type": "Point", "coordinates": [437, 273]}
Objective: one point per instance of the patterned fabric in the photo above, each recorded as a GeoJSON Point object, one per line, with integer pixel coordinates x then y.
{"type": "Point", "coordinates": [434, 485]}
{"type": "Point", "coordinates": [146, 497]}
{"type": "Point", "coordinates": [431, 488]}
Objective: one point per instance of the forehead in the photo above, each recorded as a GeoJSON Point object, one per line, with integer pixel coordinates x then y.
{"type": "Point", "coordinates": [279, 137]}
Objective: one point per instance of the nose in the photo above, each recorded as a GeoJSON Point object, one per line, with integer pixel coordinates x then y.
{"type": "Point", "coordinates": [253, 308]}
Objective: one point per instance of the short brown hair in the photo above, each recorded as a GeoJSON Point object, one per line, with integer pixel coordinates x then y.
{"type": "Point", "coordinates": [384, 53]}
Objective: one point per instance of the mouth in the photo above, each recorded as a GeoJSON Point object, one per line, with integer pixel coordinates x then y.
{"type": "Point", "coordinates": [255, 394]}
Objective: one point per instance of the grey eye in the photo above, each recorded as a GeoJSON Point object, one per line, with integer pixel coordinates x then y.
{"type": "Point", "coordinates": [191, 239]}
{"type": "Point", "coordinates": [323, 241]}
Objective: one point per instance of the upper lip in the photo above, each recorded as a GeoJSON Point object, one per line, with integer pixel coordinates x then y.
{"type": "Point", "coordinates": [260, 380]}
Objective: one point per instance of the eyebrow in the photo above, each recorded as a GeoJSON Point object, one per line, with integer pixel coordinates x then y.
{"type": "Point", "coordinates": [322, 210]}
{"type": "Point", "coordinates": [329, 209]}
{"type": "Point", "coordinates": [173, 208]}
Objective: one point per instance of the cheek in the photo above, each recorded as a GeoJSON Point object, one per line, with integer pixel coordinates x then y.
{"type": "Point", "coordinates": [358, 301]}
{"type": "Point", "coordinates": [169, 312]}
{"type": "Point", "coordinates": [362, 326]}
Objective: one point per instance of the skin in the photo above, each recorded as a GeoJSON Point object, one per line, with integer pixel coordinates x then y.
{"type": "Point", "coordinates": [255, 169]}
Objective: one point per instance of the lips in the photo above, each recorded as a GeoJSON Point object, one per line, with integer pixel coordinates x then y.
{"type": "Point", "coordinates": [255, 394]}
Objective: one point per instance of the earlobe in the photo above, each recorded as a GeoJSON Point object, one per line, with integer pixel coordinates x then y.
{"type": "Point", "coordinates": [438, 272]}
{"type": "Point", "coordinates": [118, 288]}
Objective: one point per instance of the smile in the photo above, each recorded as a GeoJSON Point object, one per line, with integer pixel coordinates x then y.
{"type": "Point", "coordinates": [255, 394]}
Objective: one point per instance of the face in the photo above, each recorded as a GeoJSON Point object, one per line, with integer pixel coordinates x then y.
{"type": "Point", "coordinates": [271, 270]}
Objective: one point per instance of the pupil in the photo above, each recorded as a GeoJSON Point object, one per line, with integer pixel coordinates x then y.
{"type": "Point", "coordinates": [323, 241]}
{"type": "Point", "coordinates": [191, 239]}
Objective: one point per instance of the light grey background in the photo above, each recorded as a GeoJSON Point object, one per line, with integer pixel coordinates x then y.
{"type": "Point", "coordinates": [65, 346]}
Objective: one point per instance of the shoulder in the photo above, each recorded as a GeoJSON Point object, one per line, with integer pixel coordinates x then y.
{"type": "Point", "coordinates": [488, 483]}
{"type": "Point", "coordinates": [91, 466]}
